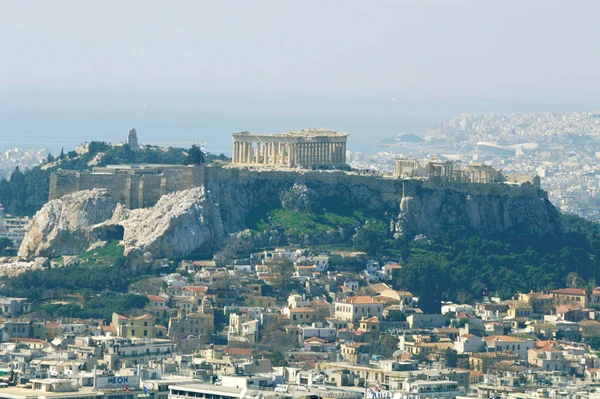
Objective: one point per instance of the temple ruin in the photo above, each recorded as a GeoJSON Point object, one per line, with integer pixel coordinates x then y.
{"type": "Point", "coordinates": [303, 148]}
{"type": "Point", "coordinates": [449, 171]}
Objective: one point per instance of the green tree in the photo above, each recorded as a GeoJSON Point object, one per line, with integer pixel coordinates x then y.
{"type": "Point", "coordinates": [371, 236]}
{"type": "Point", "coordinates": [386, 345]}
{"type": "Point", "coordinates": [594, 342]}
{"type": "Point", "coordinates": [450, 357]}
{"type": "Point", "coordinates": [195, 156]}
{"type": "Point", "coordinates": [7, 247]}
{"type": "Point", "coordinates": [430, 296]}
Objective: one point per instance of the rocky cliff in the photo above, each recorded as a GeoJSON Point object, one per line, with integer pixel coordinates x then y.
{"type": "Point", "coordinates": [65, 226]}
{"type": "Point", "coordinates": [176, 226]}
{"type": "Point", "coordinates": [204, 218]}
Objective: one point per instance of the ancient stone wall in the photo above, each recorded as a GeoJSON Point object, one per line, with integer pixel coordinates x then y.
{"type": "Point", "coordinates": [144, 190]}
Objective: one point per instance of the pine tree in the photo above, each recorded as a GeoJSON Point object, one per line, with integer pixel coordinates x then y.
{"type": "Point", "coordinates": [195, 156]}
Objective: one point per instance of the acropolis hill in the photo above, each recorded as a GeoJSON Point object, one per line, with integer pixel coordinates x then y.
{"type": "Point", "coordinates": [295, 172]}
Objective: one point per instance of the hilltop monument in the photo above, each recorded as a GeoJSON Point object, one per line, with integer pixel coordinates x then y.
{"type": "Point", "coordinates": [132, 140]}
{"type": "Point", "coordinates": [304, 148]}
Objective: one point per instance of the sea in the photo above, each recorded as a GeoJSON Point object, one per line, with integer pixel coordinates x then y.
{"type": "Point", "coordinates": [55, 120]}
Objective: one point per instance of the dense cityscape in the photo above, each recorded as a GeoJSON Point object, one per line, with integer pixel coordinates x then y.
{"type": "Point", "coordinates": [299, 199]}
{"type": "Point", "coordinates": [563, 149]}
{"type": "Point", "coordinates": [320, 312]}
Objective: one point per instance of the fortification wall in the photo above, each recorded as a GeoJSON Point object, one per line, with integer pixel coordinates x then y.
{"type": "Point", "coordinates": [144, 190]}
{"type": "Point", "coordinates": [132, 190]}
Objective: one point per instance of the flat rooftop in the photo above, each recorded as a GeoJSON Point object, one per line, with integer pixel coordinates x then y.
{"type": "Point", "coordinates": [26, 393]}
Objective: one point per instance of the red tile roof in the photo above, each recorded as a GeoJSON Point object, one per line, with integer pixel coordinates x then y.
{"type": "Point", "coordinates": [359, 300]}
{"type": "Point", "coordinates": [569, 291]}
{"type": "Point", "coordinates": [239, 351]}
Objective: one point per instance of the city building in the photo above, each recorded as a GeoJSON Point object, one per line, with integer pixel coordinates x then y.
{"type": "Point", "coordinates": [355, 308]}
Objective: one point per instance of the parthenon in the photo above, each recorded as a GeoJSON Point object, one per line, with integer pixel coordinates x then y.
{"type": "Point", "coordinates": [303, 148]}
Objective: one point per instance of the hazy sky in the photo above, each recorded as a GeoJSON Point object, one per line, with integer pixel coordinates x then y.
{"type": "Point", "coordinates": [393, 48]}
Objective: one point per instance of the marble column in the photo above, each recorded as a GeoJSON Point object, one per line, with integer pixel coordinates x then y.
{"type": "Point", "coordinates": [279, 155]}
{"type": "Point", "coordinates": [322, 153]}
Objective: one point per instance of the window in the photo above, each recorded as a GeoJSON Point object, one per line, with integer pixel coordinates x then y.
{"type": "Point", "coordinates": [145, 333]}
{"type": "Point", "coordinates": [132, 332]}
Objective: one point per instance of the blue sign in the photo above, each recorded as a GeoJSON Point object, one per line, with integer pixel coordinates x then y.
{"type": "Point", "coordinates": [118, 380]}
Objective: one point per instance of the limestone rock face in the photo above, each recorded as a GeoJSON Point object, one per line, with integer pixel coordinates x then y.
{"type": "Point", "coordinates": [485, 210]}
{"type": "Point", "coordinates": [205, 218]}
{"type": "Point", "coordinates": [63, 226]}
{"type": "Point", "coordinates": [176, 226]}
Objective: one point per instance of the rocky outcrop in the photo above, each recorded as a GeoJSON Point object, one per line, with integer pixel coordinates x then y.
{"type": "Point", "coordinates": [481, 209]}
{"type": "Point", "coordinates": [176, 226]}
{"type": "Point", "coordinates": [64, 226]}
{"type": "Point", "coordinates": [204, 218]}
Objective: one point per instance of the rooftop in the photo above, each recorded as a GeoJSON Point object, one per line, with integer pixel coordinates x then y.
{"type": "Point", "coordinates": [311, 132]}
{"type": "Point", "coordinates": [569, 291]}
{"type": "Point", "coordinates": [359, 300]}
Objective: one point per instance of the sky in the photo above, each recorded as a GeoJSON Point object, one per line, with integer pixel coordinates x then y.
{"type": "Point", "coordinates": [86, 68]}
{"type": "Point", "coordinates": [396, 48]}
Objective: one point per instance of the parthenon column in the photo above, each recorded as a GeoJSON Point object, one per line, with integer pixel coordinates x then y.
{"type": "Point", "coordinates": [267, 159]}
{"type": "Point", "coordinates": [279, 156]}
{"type": "Point", "coordinates": [319, 153]}
{"type": "Point", "coordinates": [322, 153]}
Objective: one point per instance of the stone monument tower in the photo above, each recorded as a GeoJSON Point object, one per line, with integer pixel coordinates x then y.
{"type": "Point", "coordinates": [132, 140]}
